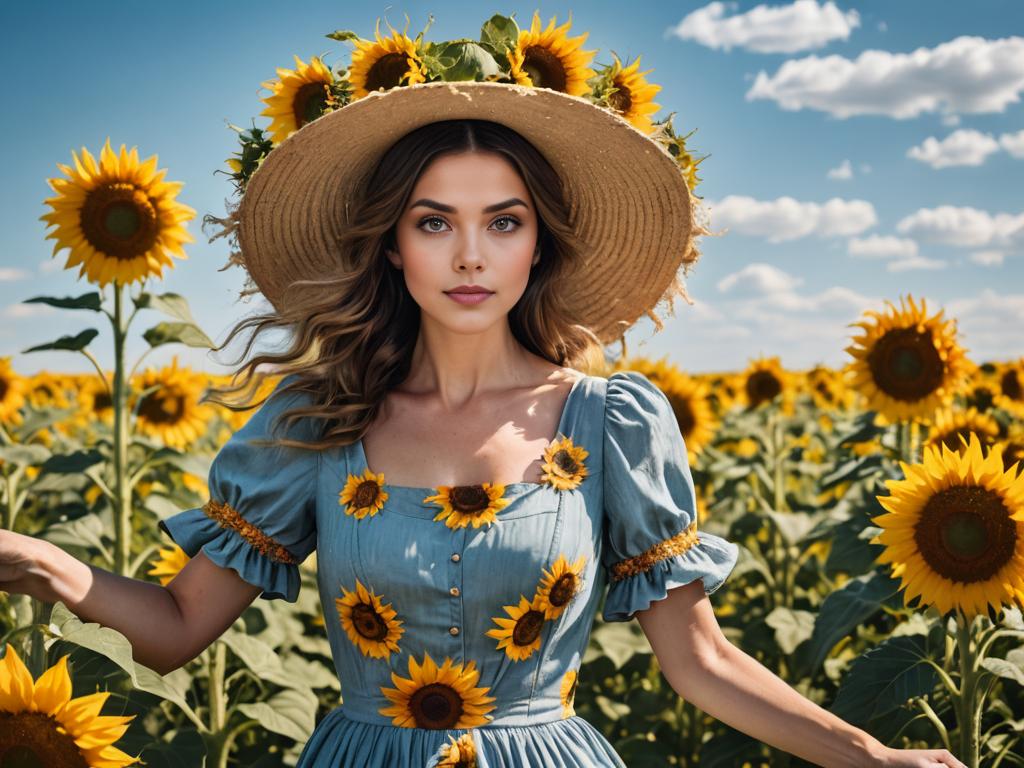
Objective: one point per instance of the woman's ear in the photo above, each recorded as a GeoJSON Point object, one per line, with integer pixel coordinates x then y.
{"type": "Point", "coordinates": [393, 257]}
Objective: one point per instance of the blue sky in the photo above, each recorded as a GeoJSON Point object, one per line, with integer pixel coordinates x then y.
{"type": "Point", "coordinates": [859, 151]}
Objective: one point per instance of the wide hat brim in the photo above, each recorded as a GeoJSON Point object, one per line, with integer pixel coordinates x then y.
{"type": "Point", "coordinates": [628, 199]}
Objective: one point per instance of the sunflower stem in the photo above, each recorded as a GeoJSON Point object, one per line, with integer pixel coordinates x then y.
{"type": "Point", "coordinates": [925, 707]}
{"type": "Point", "coordinates": [218, 708]}
{"type": "Point", "coordinates": [913, 442]}
{"type": "Point", "coordinates": [122, 493]}
{"type": "Point", "coordinates": [968, 720]}
{"type": "Point", "coordinates": [99, 370]}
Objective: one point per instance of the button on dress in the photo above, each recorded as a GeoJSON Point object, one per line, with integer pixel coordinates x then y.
{"type": "Point", "coordinates": [458, 617]}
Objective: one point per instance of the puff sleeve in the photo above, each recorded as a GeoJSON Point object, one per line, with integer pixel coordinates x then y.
{"type": "Point", "coordinates": [260, 519]}
{"type": "Point", "coordinates": [651, 543]}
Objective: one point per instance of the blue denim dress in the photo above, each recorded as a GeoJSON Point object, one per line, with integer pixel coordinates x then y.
{"type": "Point", "coordinates": [465, 611]}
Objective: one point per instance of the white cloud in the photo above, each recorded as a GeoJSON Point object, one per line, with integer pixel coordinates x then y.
{"type": "Point", "coordinates": [989, 324]}
{"type": "Point", "coordinates": [788, 219]}
{"type": "Point", "coordinates": [19, 311]}
{"type": "Point", "coordinates": [963, 147]}
{"type": "Point", "coordinates": [48, 266]}
{"type": "Point", "coordinates": [988, 258]}
{"type": "Point", "coordinates": [800, 26]}
{"type": "Point", "coordinates": [1013, 143]}
{"type": "Point", "coordinates": [967, 75]}
{"type": "Point", "coordinates": [965, 227]}
{"type": "Point", "coordinates": [951, 120]}
{"type": "Point", "coordinates": [10, 274]}
{"type": "Point", "coordinates": [843, 172]}
{"type": "Point", "coordinates": [882, 247]}
{"type": "Point", "coordinates": [761, 279]}
{"type": "Point", "coordinates": [914, 262]}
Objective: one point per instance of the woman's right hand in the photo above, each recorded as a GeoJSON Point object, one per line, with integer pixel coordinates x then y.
{"type": "Point", "coordinates": [22, 565]}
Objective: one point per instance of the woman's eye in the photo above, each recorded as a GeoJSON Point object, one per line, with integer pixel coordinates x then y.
{"type": "Point", "coordinates": [426, 221]}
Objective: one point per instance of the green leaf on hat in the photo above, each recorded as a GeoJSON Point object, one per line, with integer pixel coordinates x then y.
{"type": "Point", "coordinates": [468, 61]}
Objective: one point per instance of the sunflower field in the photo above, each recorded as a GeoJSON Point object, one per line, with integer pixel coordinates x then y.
{"type": "Point", "coordinates": [878, 507]}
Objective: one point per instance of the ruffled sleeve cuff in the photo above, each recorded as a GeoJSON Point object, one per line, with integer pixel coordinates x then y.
{"type": "Point", "coordinates": [638, 581]}
{"type": "Point", "coordinates": [245, 549]}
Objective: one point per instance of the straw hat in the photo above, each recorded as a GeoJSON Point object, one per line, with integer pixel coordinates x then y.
{"type": "Point", "coordinates": [628, 195]}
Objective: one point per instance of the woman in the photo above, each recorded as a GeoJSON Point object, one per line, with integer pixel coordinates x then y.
{"type": "Point", "coordinates": [469, 492]}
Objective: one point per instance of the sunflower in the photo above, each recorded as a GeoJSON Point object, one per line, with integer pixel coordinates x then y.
{"type": "Point", "coordinates": [691, 405]}
{"type": "Point", "coordinates": [47, 390]}
{"type": "Point", "coordinates": [119, 218]}
{"type": "Point", "coordinates": [465, 504]}
{"type": "Point", "coordinates": [385, 63]}
{"type": "Point", "coordinates": [948, 425]}
{"type": "Point", "coordinates": [1010, 388]}
{"type": "Point", "coordinates": [171, 412]}
{"type": "Point", "coordinates": [370, 625]}
{"type": "Point", "coordinates": [827, 389]}
{"type": "Point", "coordinates": [438, 698]}
{"type": "Point", "coordinates": [95, 403]}
{"type": "Point", "coordinates": [765, 381]}
{"type": "Point", "coordinates": [907, 365]}
{"type": "Point", "coordinates": [563, 466]}
{"type": "Point", "coordinates": [550, 59]}
{"type": "Point", "coordinates": [627, 92]}
{"type": "Point", "coordinates": [169, 563]}
{"type": "Point", "coordinates": [981, 387]}
{"type": "Point", "coordinates": [1013, 447]}
{"type": "Point", "coordinates": [520, 634]}
{"type": "Point", "coordinates": [40, 724]}
{"type": "Point", "coordinates": [363, 494]}
{"type": "Point", "coordinates": [954, 530]}
{"type": "Point", "coordinates": [299, 97]}
{"type": "Point", "coordinates": [560, 585]}
{"type": "Point", "coordinates": [457, 753]}
{"type": "Point", "coordinates": [568, 693]}
{"type": "Point", "coordinates": [12, 393]}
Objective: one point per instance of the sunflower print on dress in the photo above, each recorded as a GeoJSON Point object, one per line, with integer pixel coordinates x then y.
{"type": "Point", "coordinates": [363, 494]}
{"type": "Point", "coordinates": [520, 634]}
{"type": "Point", "coordinates": [462, 505]}
{"type": "Point", "coordinates": [568, 692]}
{"type": "Point", "coordinates": [563, 466]}
{"type": "Point", "coordinates": [439, 698]}
{"type": "Point", "coordinates": [560, 585]}
{"type": "Point", "coordinates": [369, 624]}
{"type": "Point", "coordinates": [457, 753]}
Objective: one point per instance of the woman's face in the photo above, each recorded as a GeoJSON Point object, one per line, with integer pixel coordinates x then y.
{"type": "Point", "coordinates": [470, 220]}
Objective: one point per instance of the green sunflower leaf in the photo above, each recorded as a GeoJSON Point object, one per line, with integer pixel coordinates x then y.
{"type": "Point", "coordinates": [172, 304]}
{"type": "Point", "coordinates": [469, 61]}
{"type": "Point", "coordinates": [67, 343]}
{"type": "Point", "coordinates": [290, 712]}
{"type": "Point", "coordinates": [90, 300]}
{"type": "Point", "coordinates": [500, 32]}
{"type": "Point", "coordinates": [183, 333]}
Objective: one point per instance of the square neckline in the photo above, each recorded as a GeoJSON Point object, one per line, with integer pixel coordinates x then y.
{"type": "Point", "coordinates": [521, 484]}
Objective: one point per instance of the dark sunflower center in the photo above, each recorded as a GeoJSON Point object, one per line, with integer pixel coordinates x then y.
{"type": "Point", "coordinates": [387, 71]}
{"type": "Point", "coordinates": [981, 398]}
{"type": "Point", "coordinates": [683, 409]}
{"type": "Point", "coordinates": [469, 499]}
{"type": "Point", "coordinates": [966, 534]}
{"type": "Point", "coordinates": [566, 462]}
{"type": "Point", "coordinates": [4, 387]}
{"type": "Point", "coordinates": [762, 386]}
{"type": "Point", "coordinates": [163, 407]}
{"type": "Point", "coordinates": [309, 103]}
{"type": "Point", "coordinates": [563, 589]}
{"type": "Point", "coordinates": [906, 365]}
{"type": "Point", "coordinates": [368, 622]}
{"type": "Point", "coordinates": [544, 68]}
{"type": "Point", "coordinates": [31, 740]}
{"type": "Point", "coordinates": [366, 493]}
{"type": "Point", "coordinates": [102, 401]}
{"type": "Point", "coordinates": [621, 100]}
{"type": "Point", "coordinates": [436, 706]}
{"type": "Point", "coordinates": [528, 627]}
{"type": "Point", "coordinates": [119, 220]}
{"type": "Point", "coordinates": [1011, 386]}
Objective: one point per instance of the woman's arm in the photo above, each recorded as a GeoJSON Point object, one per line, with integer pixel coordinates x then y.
{"type": "Point", "coordinates": [707, 670]}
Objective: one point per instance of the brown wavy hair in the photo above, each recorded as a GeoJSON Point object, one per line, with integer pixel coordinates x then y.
{"type": "Point", "coordinates": [346, 352]}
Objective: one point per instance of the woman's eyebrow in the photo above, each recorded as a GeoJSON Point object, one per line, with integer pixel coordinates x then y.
{"type": "Point", "coordinates": [428, 203]}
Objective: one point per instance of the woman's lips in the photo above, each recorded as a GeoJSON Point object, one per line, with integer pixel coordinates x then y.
{"type": "Point", "coordinates": [469, 298]}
